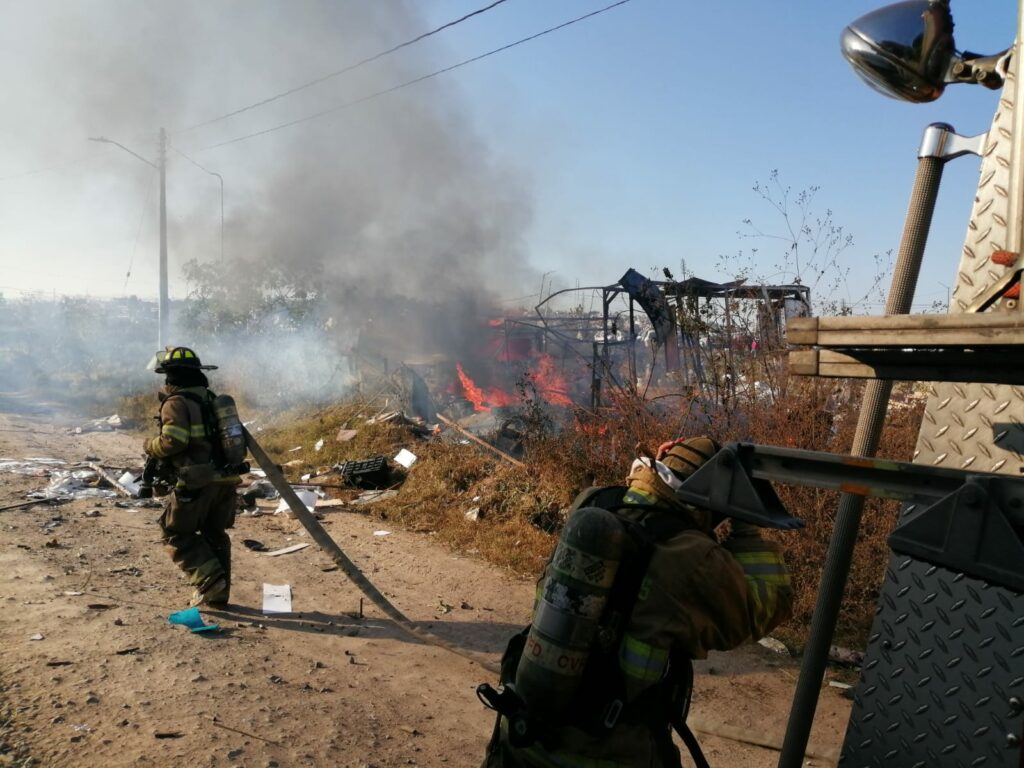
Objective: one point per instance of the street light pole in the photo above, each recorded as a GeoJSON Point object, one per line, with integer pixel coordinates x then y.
{"type": "Point", "coordinates": [220, 178]}
{"type": "Point", "coordinates": [163, 306]}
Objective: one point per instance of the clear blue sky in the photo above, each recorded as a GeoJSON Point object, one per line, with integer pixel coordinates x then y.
{"type": "Point", "coordinates": [638, 134]}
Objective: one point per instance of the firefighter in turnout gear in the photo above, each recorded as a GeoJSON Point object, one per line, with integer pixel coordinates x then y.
{"type": "Point", "coordinates": [202, 502]}
{"type": "Point", "coordinates": [668, 594]}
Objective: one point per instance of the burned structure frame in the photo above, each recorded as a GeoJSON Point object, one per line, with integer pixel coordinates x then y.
{"type": "Point", "coordinates": [687, 321]}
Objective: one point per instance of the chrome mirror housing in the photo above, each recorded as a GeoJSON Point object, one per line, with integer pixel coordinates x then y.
{"type": "Point", "coordinates": [907, 51]}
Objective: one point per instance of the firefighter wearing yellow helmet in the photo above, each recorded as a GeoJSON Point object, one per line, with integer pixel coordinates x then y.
{"type": "Point", "coordinates": [604, 671]}
{"type": "Point", "coordinates": [201, 504]}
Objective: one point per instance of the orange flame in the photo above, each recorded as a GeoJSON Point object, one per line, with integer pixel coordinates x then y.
{"type": "Point", "coordinates": [482, 400]}
{"type": "Point", "coordinates": [550, 383]}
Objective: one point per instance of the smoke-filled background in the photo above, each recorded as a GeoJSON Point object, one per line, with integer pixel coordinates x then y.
{"type": "Point", "coordinates": [388, 219]}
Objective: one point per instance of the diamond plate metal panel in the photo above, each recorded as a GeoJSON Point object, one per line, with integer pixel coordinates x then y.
{"type": "Point", "coordinates": [943, 680]}
{"type": "Point", "coordinates": [944, 660]}
{"type": "Point", "coordinates": [981, 426]}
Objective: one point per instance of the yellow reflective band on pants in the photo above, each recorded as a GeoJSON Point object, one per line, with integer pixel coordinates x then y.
{"type": "Point", "coordinates": [642, 661]}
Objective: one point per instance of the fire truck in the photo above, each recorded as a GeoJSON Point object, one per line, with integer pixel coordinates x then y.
{"type": "Point", "coordinates": [942, 682]}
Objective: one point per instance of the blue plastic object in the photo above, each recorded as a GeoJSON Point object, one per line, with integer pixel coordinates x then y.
{"type": "Point", "coordinates": [190, 618]}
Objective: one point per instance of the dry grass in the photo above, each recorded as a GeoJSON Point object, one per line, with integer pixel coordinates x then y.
{"type": "Point", "coordinates": [521, 509]}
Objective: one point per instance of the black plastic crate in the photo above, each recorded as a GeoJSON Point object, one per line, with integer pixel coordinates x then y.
{"type": "Point", "coordinates": [365, 473]}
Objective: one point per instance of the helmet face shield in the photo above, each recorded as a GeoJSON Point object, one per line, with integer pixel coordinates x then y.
{"type": "Point", "coordinates": [179, 357]}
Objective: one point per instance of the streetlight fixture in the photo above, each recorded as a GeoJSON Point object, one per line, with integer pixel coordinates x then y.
{"type": "Point", "coordinates": [163, 307]}
{"type": "Point", "coordinates": [221, 180]}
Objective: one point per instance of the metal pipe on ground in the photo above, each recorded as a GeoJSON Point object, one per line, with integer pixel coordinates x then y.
{"type": "Point", "coordinates": [323, 539]}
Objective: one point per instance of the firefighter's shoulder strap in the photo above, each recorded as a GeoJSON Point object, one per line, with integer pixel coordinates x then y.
{"type": "Point", "coordinates": [210, 423]}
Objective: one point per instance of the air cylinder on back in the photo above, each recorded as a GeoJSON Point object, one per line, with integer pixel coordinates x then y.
{"type": "Point", "coordinates": [232, 436]}
{"type": "Point", "coordinates": [569, 605]}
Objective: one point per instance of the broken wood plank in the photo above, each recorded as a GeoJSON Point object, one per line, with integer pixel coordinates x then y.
{"type": "Point", "coordinates": [956, 330]}
{"type": "Point", "coordinates": [478, 441]}
{"type": "Point", "coordinates": [102, 472]}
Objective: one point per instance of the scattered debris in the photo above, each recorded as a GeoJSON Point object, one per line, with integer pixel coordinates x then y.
{"type": "Point", "coordinates": [406, 458]}
{"type": "Point", "coordinates": [190, 618]}
{"type": "Point", "coordinates": [99, 606]}
{"type": "Point", "coordinates": [35, 467]}
{"type": "Point", "coordinates": [287, 550]}
{"type": "Point", "coordinates": [369, 497]}
{"type": "Point", "coordinates": [59, 663]}
{"type": "Point", "coordinates": [318, 445]}
{"type": "Point", "coordinates": [168, 735]}
{"type": "Point", "coordinates": [128, 651]}
{"type": "Point", "coordinates": [839, 685]}
{"type": "Point", "coordinates": [73, 484]}
{"type": "Point", "coordinates": [442, 606]}
{"type": "Point", "coordinates": [345, 435]}
{"type": "Point", "coordinates": [845, 656]}
{"type": "Point", "coordinates": [308, 498]}
{"type": "Point", "coordinates": [277, 598]}
{"type": "Point", "coordinates": [254, 545]}
{"type": "Point", "coordinates": [36, 636]}
{"type": "Point", "coordinates": [92, 513]}
{"type": "Point", "coordinates": [108, 424]}
{"type": "Point", "coordinates": [481, 443]}
{"type": "Point", "coordinates": [369, 473]}
{"type": "Point", "coordinates": [382, 533]}
{"type": "Point", "coordinates": [774, 645]}
{"type": "Point", "coordinates": [411, 731]}
{"type": "Point", "coordinates": [473, 514]}
{"type": "Point", "coordinates": [130, 482]}
{"type": "Point", "coordinates": [72, 593]}
{"type": "Point", "coordinates": [127, 570]}
{"type": "Point", "coordinates": [276, 679]}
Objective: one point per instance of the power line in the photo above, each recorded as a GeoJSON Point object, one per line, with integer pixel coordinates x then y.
{"type": "Point", "coordinates": [197, 165]}
{"type": "Point", "coordinates": [54, 167]}
{"type": "Point", "coordinates": [138, 234]}
{"type": "Point", "coordinates": [343, 70]}
{"type": "Point", "coordinates": [408, 83]}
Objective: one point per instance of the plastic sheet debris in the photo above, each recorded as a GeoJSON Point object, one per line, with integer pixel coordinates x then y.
{"type": "Point", "coordinates": [277, 598]}
{"type": "Point", "coordinates": [406, 458]}
{"type": "Point", "coordinates": [190, 618]}
{"type": "Point", "coordinates": [36, 636]}
{"type": "Point", "coordinates": [306, 497]}
{"type": "Point", "coordinates": [34, 467]}
{"type": "Point", "coordinates": [318, 445]}
{"type": "Point", "coordinates": [73, 484]}
{"type": "Point", "coordinates": [344, 435]}
{"type": "Point", "coordinates": [382, 533]}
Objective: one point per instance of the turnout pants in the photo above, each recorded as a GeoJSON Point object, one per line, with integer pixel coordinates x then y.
{"type": "Point", "coordinates": [193, 525]}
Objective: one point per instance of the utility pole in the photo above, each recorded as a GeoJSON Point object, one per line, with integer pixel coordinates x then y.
{"type": "Point", "coordinates": [163, 310]}
{"type": "Point", "coordinates": [163, 305]}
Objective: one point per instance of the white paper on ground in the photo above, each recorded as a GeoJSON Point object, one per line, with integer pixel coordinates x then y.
{"type": "Point", "coordinates": [306, 497]}
{"type": "Point", "coordinates": [277, 598]}
{"type": "Point", "coordinates": [128, 481]}
{"type": "Point", "coordinates": [406, 458]}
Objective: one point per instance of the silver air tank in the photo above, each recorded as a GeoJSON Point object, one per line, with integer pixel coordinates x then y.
{"type": "Point", "coordinates": [229, 427]}
{"type": "Point", "coordinates": [569, 605]}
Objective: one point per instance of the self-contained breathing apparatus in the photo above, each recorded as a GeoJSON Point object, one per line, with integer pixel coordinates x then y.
{"type": "Point", "coordinates": [228, 447]}
{"type": "Point", "coordinates": [564, 669]}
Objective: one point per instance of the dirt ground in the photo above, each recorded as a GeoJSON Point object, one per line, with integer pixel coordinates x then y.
{"type": "Point", "coordinates": [112, 683]}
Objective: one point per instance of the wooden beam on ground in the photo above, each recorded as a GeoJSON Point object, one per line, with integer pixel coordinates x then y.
{"type": "Point", "coordinates": [105, 474]}
{"type": "Point", "coordinates": [478, 441]}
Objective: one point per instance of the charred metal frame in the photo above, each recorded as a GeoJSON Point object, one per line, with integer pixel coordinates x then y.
{"type": "Point", "coordinates": [600, 333]}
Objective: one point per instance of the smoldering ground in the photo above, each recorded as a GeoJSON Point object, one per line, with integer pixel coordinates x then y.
{"type": "Point", "coordinates": [359, 217]}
